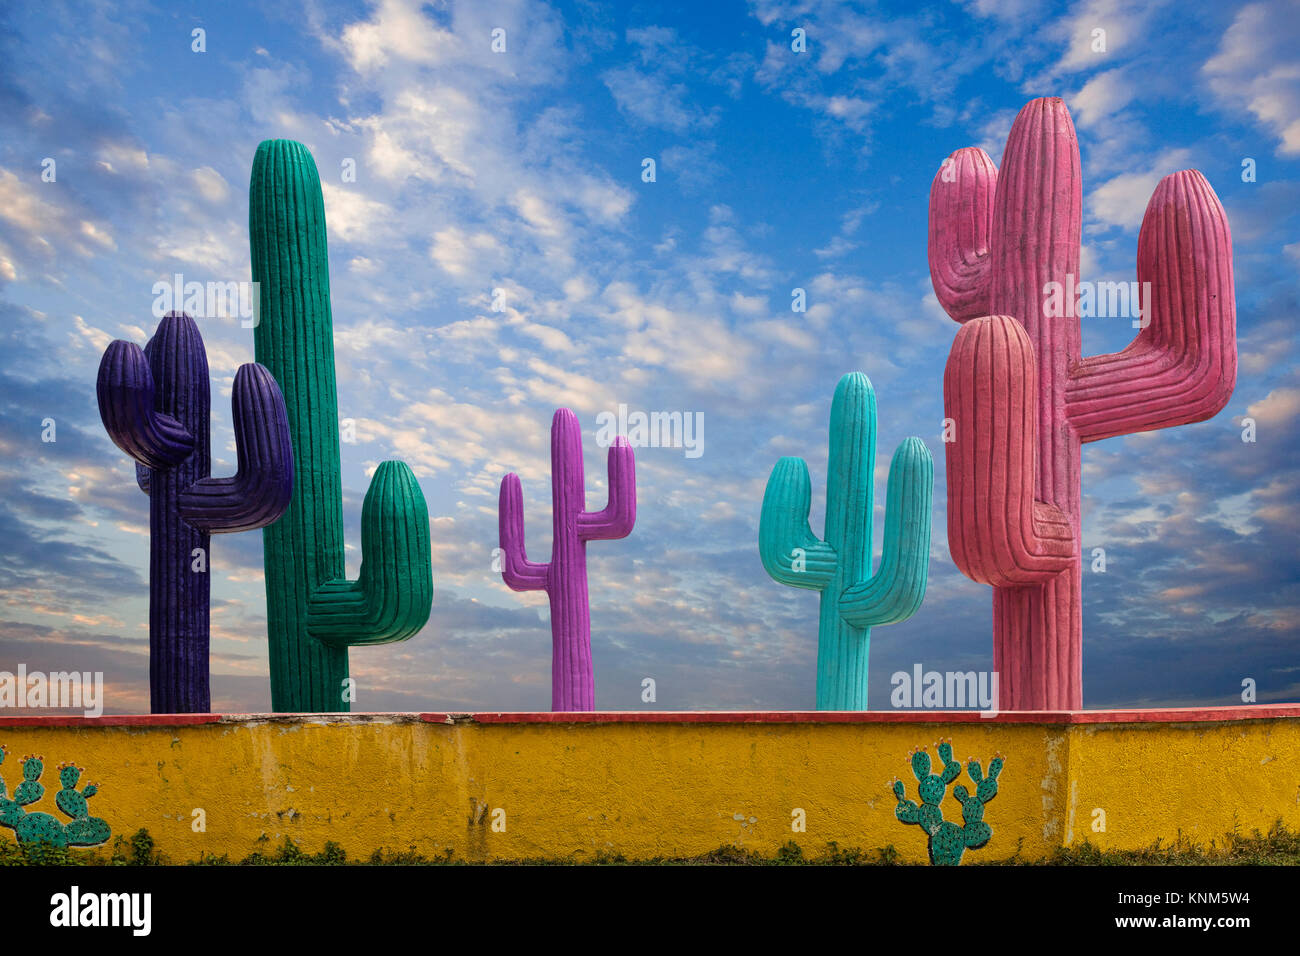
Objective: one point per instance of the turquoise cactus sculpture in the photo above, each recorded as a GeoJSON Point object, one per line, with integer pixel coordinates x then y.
{"type": "Point", "coordinates": [839, 566]}
{"type": "Point", "coordinates": [36, 827]}
{"type": "Point", "coordinates": [948, 842]}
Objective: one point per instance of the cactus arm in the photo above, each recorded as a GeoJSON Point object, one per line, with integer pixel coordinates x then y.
{"type": "Point", "coordinates": [907, 811]}
{"type": "Point", "coordinates": [392, 596]}
{"type": "Point", "coordinates": [262, 486]}
{"type": "Point", "coordinates": [988, 787]}
{"type": "Point", "coordinates": [616, 519]}
{"type": "Point", "coordinates": [1182, 367]}
{"type": "Point", "coordinates": [998, 533]}
{"type": "Point", "coordinates": [920, 761]}
{"type": "Point", "coordinates": [976, 835]}
{"type": "Point", "coordinates": [895, 591]}
{"type": "Point", "coordinates": [783, 527]}
{"type": "Point", "coordinates": [518, 572]}
{"type": "Point", "coordinates": [951, 767]}
{"type": "Point", "coordinates": [143, 473]}
{"type": "Point", "coordinates": [125, 391]}
{"type": "Point", "coordinates": [961, 223]}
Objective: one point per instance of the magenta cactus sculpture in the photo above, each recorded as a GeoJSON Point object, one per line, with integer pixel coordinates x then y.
{"type": "Point", "coordinates": [1020, 397]}
{"type": "Point", "coordinates": [564, 577]}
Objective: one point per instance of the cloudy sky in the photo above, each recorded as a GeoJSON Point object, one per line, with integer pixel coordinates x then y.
{"type": "Point", "coordinates": [522, 170]}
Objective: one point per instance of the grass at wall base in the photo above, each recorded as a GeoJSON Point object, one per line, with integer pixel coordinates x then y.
{"type": "Point", "coordinates": [1278, 847]}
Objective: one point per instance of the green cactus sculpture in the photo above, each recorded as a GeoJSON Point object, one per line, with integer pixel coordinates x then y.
{"type": "Point", "coordinates": [948, 841]}
{"type": "Point", "coordinates": [313, 614]}
{"type": "Point", "coordinates": [35, 827]}
{"type": "Point", "coordinates": [853, 599]}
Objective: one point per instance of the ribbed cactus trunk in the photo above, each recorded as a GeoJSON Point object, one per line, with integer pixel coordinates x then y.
{"type": "Point", "coordinates": [572, 680]}
{"type": "Point", "coordinates": [564, 577]}
{"type": "Point", "coordinates": [1039, 215]}
{"type": "Point", "coordinates": [295, 340]}
{"type": "Point", "coordinates": [1004, 258]}
{"type": "Point", "coordinates": [853, 600]}
{"type": "Point", "coordinates": [314, 614]}
{"type": "Point", "coordinates": [179, 595]}
{"type": "Point", "coordinates": [842, 649]}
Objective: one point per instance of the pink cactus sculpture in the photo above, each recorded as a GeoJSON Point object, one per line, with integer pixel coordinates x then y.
{"type": "Point", "coordinates": [564, 578]}
{"type": "Point", "coordinates": [1022, 399]}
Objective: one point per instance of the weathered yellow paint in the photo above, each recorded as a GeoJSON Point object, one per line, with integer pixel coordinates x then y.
{"type": "Point", "coordinates": [646, 789]}
{"type": "Point", "coordinates": [1195, 780]}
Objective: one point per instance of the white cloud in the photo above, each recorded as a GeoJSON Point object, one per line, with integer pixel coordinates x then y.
{"type": "Point", "coordinates": [1102, 96]}
{"type": "Point", "coordinates": [1257, 69]}
{"type": "Point", "coordinates": [1278, 407]}
{"type": "Point", "coordinates": [35, 209]}
{"type": "Point", "coordinates": [1122, 200]}
{"type": "Point", "coordinates": [211, 185]}
{"type": "Point", "coordinates": [458, 251]}
{"type": "Point", "coordinates": [653, 100]}
{"type": "Point", "coordinates": [350, 215]}
{"type": "Point", "coordinates": [1124, 23]}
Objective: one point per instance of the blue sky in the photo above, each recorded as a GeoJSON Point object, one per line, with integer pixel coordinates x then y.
{"type": "Point", "coordinates": [522, 171]}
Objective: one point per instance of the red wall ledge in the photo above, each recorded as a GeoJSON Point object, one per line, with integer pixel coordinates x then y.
{"type": "Point", "coordinates": [1156, 716]}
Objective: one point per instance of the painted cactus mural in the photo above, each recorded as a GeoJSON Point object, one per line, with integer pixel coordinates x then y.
{"type": "Point", "coordinates": [155, 405]}
{"type": "Point", "coordinates": [36, 827]}
{"type": "Point", "coordinates": [1004, 261]}
{"type": "Point", "coordinates": [564, 577]}
{"type": "Point", "coordinates": [313, 613]}
{"type": "Point", "coordinates": [853, 600]}
{"type": "Point", "coordinates": [948, 842]}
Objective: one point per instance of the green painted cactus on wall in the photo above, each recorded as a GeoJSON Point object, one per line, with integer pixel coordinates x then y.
{"type": "Point", "coordinates": [313, 613]}
{"type": "Point", "coordinates": [947, 841]}
{"type": "Point", "coordinates": [839, 565]}
{"type": "Point", "coordinates": [32, 826]}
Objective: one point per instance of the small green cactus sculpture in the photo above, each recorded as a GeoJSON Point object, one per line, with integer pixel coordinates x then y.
{"type": "Point", "coordinates": [34, 827]}
{"type": "Point", "coordinates": [948, 841]}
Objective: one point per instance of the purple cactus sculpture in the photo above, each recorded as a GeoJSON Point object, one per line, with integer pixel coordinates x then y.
{"type": "Point", "coordinates": [154, 405]}
{"type": "Point", "coordinates": [564, 578]}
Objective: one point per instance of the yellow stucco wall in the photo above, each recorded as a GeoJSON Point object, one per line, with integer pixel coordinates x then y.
{"type": "Point", "coordinates": [644, 789]}
{"type": "Point", "coordinates": [1200, 780]}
